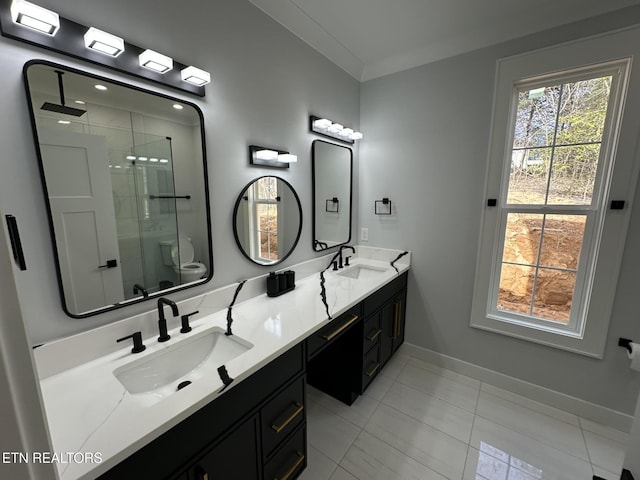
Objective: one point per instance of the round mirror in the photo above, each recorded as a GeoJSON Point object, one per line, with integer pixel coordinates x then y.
{"type": "Point", "coordinates": [267, 220]}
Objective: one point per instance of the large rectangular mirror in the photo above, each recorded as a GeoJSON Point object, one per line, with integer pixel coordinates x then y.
{"type": "Point", "coordinates": [332, 172]}
{"type": "Point", "coordinates": [124, 176]}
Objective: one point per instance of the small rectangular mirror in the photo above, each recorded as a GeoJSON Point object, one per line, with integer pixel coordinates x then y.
{"type": "Point", "coordinates": [125, 182]}
{"type": "Point", "coordinates": [332, 192]}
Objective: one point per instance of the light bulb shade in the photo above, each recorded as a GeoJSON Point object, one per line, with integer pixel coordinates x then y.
{"type": "Point", "coordinates": [103, 42]}
{"type": "Point", "coordinates": [322, 123]}
{"type": "Point", "coordinates": [35, 17]}
{"type": "Point", "coordinates": [335, 128]}
{"type": "Point", "coordinates": [287, 158]}
{"type": "Point", "coordinates": [195, 76]}
{"type": "Point", "coordinates": [346, 132]}
{"type": "Point", "coordinates": [155, 61]}
{"type": "Point", "coordinates": [356, 136]}
{"type": "Point", "coordinates": [266, 155]}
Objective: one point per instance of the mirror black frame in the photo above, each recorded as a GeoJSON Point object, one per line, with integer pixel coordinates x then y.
{"type": "Point", "coordinates": [235, 214]}
{"type": "Point", "coordinates": [45, 191]}
{"type": "Point", "coordinates": [313, 195]}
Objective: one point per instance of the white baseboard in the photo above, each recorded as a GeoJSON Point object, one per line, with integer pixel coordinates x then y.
{"type": "Point", "coordinates": [581, 408]}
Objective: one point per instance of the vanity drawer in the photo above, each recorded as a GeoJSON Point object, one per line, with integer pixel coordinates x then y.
{"type": "Point", "coordinates": [370, 366]}
{"type": "Point", "coordinates": [333, 331]}
{"type": "Point", "coordinates": [289, 461]}
{"type": "Point", "coordinates": [371, 333]}
{"type": "Point", "coordinates": [282, 415]}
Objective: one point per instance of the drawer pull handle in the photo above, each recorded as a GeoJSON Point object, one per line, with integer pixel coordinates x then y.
{"type": "Point", "coordinates": [202, 474]}
{"type": "Point", "coordinates": [372, 336]}
{"type": "Point", "coordinates": [338, 330]}
{"type": "Point", "coordinates": [293, 468]}
{"type": "Point", "coordinates": [289, 419]}
{"type": "Point", "coordinates": [372, 372]}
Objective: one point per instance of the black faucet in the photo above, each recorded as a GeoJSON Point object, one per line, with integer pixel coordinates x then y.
{"type": "Point", "coordinates": [342, 247]}
{"type": "Point", "coordinates": [162, 322]}
{"type": "Point", "coordinates": [137, 288]}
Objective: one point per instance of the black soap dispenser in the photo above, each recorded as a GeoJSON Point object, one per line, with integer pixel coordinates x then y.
{"type": "Point", "coordinates": [273, 284]}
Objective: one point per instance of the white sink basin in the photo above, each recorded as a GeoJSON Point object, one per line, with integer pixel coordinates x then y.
{"type": "Point", "coordinates": [362, 271]}
{"type": "Point", "coordinates": [161, 372]}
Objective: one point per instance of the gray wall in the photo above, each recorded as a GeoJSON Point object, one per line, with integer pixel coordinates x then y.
{"type": "Point", "coordinates": [427, 132]}
{"type": "Point", "coordinates": [265, 84]}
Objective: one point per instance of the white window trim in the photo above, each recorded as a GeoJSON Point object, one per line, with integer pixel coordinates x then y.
{"type": "Point", "coordinates": [618, 45]}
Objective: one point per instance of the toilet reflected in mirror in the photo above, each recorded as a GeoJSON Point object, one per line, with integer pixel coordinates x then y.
{"type": "Point", "coordinates": [179, 256]}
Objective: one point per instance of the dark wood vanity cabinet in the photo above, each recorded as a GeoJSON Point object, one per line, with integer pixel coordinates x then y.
{"type": "Point", "coordinates": [346, 355]}
{"type": "Point", "coordinates": [257, 430]}
{"type": "Point", "coordinates": [257, 426]}
{"type": "Point", "coordinates": [384, 324]}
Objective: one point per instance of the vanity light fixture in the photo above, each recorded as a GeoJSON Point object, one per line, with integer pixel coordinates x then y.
{"type": "Point", "coordinates": [131, 157]}
{"type": "Point", "coordinates": [164, 160]}
{"type": "Point", "coordinates": [155, 61]}
{"type": "Point", "coordinates": [103, 42]}
{"type": "Point", "coordinates": [32, 16]}
{"type": "Point", "coordinates": [153, 159]}
{"type": "Point", "coordinates": [143, 159]}
{"type": "Point", "coordinates": [269, 157]}
{"type": "Point", "coordinates": [195, 76]}
{"type": "Point", "coordinates": [326, 127]}
{"type": "Point", "coordinates": [26, 22]}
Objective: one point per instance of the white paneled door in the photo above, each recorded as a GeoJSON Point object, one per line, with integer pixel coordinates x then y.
{"type": "Point", "coordinates": [78, 182]}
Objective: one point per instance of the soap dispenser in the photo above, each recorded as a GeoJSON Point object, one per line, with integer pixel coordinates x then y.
{"type": "Point", "coordinates": [273, 284]}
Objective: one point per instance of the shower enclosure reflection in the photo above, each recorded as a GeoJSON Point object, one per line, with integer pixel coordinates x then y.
{"type": "Point", "coordinates": [124, 180]}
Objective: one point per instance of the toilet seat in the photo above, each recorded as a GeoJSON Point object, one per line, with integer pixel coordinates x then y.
{"type": "Point", "coordinates": [182, 257]}
{"type": "Point", "coordinates": [182, 251]}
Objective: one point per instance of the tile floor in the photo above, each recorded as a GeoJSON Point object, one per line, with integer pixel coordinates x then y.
{"type": "Point", "coordinates": [418, 421]}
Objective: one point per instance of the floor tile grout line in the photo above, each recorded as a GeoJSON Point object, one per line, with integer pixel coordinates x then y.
{"type": "Point", "coordinates": [401, 453]}
{"type": "Point", "coordinates": [423, 422]}
{"type": "Point", "coordinates": [533, 409]}
{"type": "Point", "coordinates": [436, 396]}
{"type": "Point", "coordinates": [586, 446]}
{"type": "Point", "coordinates": [526, 434]}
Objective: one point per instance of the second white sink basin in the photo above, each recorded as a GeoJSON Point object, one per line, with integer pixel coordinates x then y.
{"type": "Point", "coordinates": [362, 271]}
{"type": "Point", "coordinates": [162, 371]}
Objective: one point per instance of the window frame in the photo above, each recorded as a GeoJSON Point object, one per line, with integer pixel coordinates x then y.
{"type": "Point", "coordinates": [609, 50]}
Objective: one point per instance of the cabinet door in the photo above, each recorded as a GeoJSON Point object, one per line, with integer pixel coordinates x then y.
{"type": "Point", "coordinates": [392, 325]}
{"type": "Point", "coordinates": [234, 458]}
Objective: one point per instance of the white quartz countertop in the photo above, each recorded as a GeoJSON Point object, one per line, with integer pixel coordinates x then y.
{"type": "Point", "coordinates": [95, 423]}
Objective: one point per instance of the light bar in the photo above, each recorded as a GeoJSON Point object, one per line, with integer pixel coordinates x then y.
{"type": "Point", "coordinates": [155, 61]}
{"type": "Point", "coordinates": [266, 155]}
{"type": "Point", "coordinates": [195, 76]}
{"type": "Point", "coordinates": [37, 18]}
{"type": "Point", "coordinates": [103, 42]}
{"type": "Point", "coordinates": [287, 158]}
{"type": "Point", "coordinates": [327, 128]}
{"type": "Point", "coordinates": [322, 123]}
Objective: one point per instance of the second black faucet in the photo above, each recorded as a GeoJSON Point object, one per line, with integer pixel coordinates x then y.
{"type": "Point", "coordinates": [162, 321]}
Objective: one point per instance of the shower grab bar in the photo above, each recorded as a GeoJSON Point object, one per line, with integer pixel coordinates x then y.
{"type": "Point", "coordinates": [153, 197]}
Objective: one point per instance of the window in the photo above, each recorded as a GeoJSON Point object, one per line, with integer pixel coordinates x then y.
{"type": "Point", "coordinates": [265, 217]}
{"type": "Point", "coordinates": [550, 248]}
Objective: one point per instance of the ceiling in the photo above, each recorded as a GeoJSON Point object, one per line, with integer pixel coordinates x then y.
{"type": "Point", "coordinates": [372, 38]}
